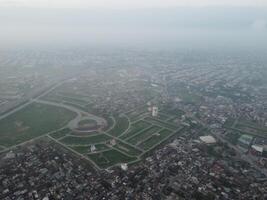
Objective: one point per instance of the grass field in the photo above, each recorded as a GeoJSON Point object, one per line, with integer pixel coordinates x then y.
{"type": "Point", "coordinates": [60, 133]}
{"type": "Point", "coordinates": [229, 123]}
{"type": "Point", "coordinates": [110, 158]}
{"type": "Point", "coordinates": [32, 121]}
{"type": "Point", "coordinates": [73, 140]}
{"type": "Point", "coordinates": [163, 117]}
{"type": "Point", "coordinates": [122, 124]}
{"type": "Point", "coordinates": [86, 149]}
{"type": "Point", "coordinates": [139, 137]}
{"type": "Point", "coordinates": [155, 139]}
{"type": "Point", "coordinates": [127, 149]}
{"type": "Point", "coordinates": [136, 127]}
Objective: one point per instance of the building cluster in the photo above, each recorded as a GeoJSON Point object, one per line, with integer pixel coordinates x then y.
{"type": "Point", "coordinates": [186, 168]}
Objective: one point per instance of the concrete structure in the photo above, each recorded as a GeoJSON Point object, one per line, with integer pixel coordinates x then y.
{"type": "Point", "coordinates": [259, 150]}
{"type": "Point", "coordinates": [155, 111]}
{"type": "Point", "coordinates": [93, 148]}
{"type": "Point", "coordinates": [113, 142]}
{"type": "Point", "coordinates": [124, 166]}
{"type": "Point", "coordinates": [207, 139]}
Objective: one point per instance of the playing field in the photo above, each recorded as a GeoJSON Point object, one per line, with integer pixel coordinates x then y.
{"type": "Point", "coordinates": [110, 157]}
{"type": "Point", "coordinates": [32, 121]}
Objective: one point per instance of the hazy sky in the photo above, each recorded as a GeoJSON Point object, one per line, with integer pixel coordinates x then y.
{"type": "Point", "coordinates": [137, 22]}
{"type": "Point", "coordinates": [128, 3]}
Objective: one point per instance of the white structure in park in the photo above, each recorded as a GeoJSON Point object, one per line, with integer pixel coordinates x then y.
{"type": "Point", "coordinates": [93, 148]}
{"type": "Point", "coordinates": [124, 166]}
{"type": "Point", "coordinates": [113, 142]}
{"type": "Point", "coordinates": [155, 111]}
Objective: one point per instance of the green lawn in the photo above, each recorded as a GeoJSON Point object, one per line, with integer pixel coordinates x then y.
{"type": "Point", "coordinates": [127, 149]}
{"type": "Point", "coordinates": [163, 117]}
{"type": "Point", "coordinates": [229, 123]}
{"type": "Point", "coordinates": [109, 158]}
{"type": "Point", "coordinates": [61, 133]}
{"type": "Point", "coordinates": [122, 124]}
{"type": "Point", "coordinates": [99, 159]}
{"type": "Point", "coordinates": [155, 139]}
{"type": "Point", "coordinates": [172, 119]}
{"type": "Point", "coordinates": [71, 140]}
{"type": "Point", "coordinates": [136, 127]}
{"type": "Point", "coordinates": [32, 121]}
{"type": "Point", "coordinates": [86, 149]}
{"type": "Point", "coordinates": [139, 137]}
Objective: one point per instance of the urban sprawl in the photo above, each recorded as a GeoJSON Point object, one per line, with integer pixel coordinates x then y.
{"type": "Point", "coordinates": [133, 124]}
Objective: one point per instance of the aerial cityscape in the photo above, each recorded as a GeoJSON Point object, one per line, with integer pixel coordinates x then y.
{"type": "Point", "coordinates": [190, 125]}
{"type": "Point", "coordinates": [133, 100]}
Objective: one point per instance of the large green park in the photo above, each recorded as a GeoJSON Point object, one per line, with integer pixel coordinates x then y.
{"type": "Point", "coordinates": [127, 138]}
{"type": "Point", "coordinates": [132, 136]}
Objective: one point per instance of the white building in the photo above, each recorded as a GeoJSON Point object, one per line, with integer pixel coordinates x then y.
{"type": "Point", "coordinates": [93, 148]}
{"type": "Point", "coordinates": [124, 166]}
{"type": "Point", "coordinates": [207, 139]}
{"type": "Point", "coordinates": [155, 111]}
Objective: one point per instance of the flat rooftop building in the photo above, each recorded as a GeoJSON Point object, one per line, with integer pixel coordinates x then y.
{"type": "Point", "coordinates": [207, 139]}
